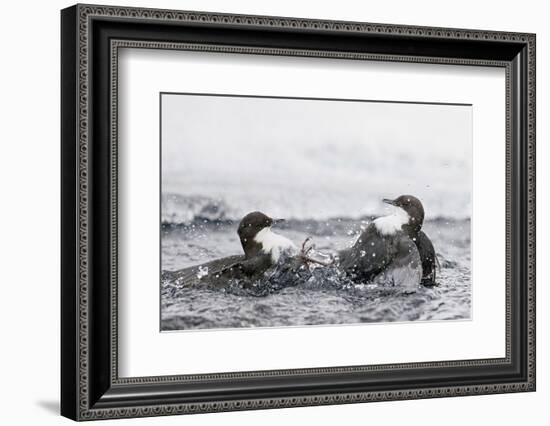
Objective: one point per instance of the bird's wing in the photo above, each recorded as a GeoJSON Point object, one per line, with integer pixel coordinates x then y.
{"type": "Point", "coordinates": [254, 266]}
{"type": "Point", "coordinates": [245, 267]}
{"type": "Point", "coordinates": [428, 258]}
{"type": "Point", "coordinates": [370, 254]}
{"type": "Point", "coordinates": [193, 274]}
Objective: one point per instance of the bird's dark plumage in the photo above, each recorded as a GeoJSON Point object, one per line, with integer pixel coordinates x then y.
{"type": "Point", "coordinates": [192, 275]}
{"type": "Point", "coordinates": [219, 271]}
{"type": "Point", "coordinates": [391, 259]}
{"type": "Point", "coordinates": [358, 260]}
{"type": "Point", "coordinates": [428, 258]}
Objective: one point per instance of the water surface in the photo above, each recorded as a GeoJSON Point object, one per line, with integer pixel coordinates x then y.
{"type": "Point", "coordinates": [320, 296]}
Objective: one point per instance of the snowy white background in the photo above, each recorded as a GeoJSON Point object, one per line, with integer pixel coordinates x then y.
{"type": "Point", "coordinates": [315, 159]}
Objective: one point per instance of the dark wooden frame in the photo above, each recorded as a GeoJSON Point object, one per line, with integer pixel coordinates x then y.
{"type": "Point", "coordinates": [90, 386]}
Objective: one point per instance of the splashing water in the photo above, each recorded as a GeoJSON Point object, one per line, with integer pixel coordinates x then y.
{"type": "Point", "coordinates": [287, 295]}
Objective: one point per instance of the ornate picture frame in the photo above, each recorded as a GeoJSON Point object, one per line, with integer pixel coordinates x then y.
{"type": "Point", "coordinates": [91, 37]}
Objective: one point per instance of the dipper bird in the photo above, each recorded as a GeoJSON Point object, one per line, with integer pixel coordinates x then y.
{"type": "Point", "coordinates": [392, 249]}
{"type": "Point", "coordinates": [415, 210]}
{"type": "Point", "coordinates": [262, 249]}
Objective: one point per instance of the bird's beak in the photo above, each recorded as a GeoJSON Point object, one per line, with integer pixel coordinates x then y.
{"type": "Point", "coordinates": [388, 201]}
{"type": "Point", "coordinates": [278, 221]}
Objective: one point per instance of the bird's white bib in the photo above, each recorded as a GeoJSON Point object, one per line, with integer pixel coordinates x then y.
{"type": "Point", "coordinates": [389, 225]}
{"type": "Point", "coordinates": [274, 244]}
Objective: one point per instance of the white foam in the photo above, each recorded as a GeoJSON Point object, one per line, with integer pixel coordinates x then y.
{"type": "Point", "coordinates": [274, 244]}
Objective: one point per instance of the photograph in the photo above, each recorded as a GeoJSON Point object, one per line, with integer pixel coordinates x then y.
{"type": "Point", "coordinates": [280, 211]}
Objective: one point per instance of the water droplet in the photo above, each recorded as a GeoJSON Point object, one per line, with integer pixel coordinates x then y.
{"type": "Point", "coordinates": [202, 272]}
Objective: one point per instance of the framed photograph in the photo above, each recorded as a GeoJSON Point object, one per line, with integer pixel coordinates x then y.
{"type": "Point", "coordinates": [263, 212]}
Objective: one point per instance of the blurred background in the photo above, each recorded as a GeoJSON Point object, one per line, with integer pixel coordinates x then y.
{"type": "Point", "coordinates": [223, 157]}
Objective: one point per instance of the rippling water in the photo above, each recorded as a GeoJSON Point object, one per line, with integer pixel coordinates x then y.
{"type": "Point", "coordinates": [286, 297]}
